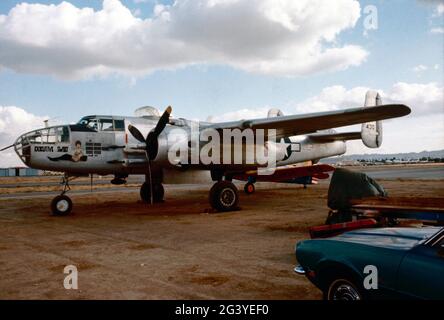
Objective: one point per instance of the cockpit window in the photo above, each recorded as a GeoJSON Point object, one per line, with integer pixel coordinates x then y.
{"type": "Point", "coordinates": [63, 134]}
{"type": "Point", "coordinates": [89, 122]}
{"type": "Point", "coordinates": [102, 124]}
{"type": "Point", "coordinates": [119, 125]}
{"type": "Point", "coordinates": [106, 125]}
{"type": "Point", "coordinates": [47, 136]}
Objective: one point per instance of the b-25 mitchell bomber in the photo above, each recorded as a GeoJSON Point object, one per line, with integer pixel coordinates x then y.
{"type": "Point", "coordinates": [165, 149]}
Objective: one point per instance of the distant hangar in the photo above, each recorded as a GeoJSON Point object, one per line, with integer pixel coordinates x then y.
{"type": "Point", "coordinates": [19, 172]}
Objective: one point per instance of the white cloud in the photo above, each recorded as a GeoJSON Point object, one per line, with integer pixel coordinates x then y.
{"type": "Point", "coordinates": [284, 37]}
{"type": "Point", "coordinates": [439, 11]}
{"type": "Point", "coordinates": [439, 6]}
{"type": "Point", "coordinates": [15, 121]}
{"type": "Point", "coordinates": [422, 130]}
{"type": "Point", "coordinates": [422, 98]}
{"type": "Point", "coordinates": [437, 30]}
{"type": "Point", "coordinates": [420, 68]}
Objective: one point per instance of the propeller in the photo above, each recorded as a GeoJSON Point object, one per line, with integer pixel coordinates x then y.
{"type": "Point", "coordinates": [5, 148]}
{"type": "Point", "coordinates": [151, 141]}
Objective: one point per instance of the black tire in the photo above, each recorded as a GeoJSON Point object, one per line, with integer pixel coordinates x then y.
{"type": "Point", "coordinates": [249, 188]}
{"type": "Point", "coordinates": [61, 205]}
{"type": "Point", "coordinates": [343, 288]}
{"type": "Point", "coordinates": [158, 192]}
{"type": "Point", "coordinates": [224, 196]}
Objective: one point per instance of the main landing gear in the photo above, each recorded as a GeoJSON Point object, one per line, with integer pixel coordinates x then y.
{"type": "Point", "coordinates": [223, 195]}
{"type": "Point", "coordinates": [62, 204]}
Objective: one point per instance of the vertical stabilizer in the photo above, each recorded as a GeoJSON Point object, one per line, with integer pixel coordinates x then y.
{"type": "Point", "coordinates": [371, 132]}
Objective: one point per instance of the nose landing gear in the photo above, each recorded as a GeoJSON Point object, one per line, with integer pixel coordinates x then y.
{"type": "Point", "coordinates": [62, 204]}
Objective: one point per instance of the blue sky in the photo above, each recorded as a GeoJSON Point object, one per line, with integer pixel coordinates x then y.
{"type": "Point", "coordinates": [402, 42]}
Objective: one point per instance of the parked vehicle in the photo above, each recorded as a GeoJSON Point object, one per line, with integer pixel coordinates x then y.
{"type": "Point", "coordinates": [409, 263]}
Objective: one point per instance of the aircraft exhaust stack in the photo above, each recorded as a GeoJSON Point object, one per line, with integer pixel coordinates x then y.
{"type": "Point", "coordinates": [371, 132]}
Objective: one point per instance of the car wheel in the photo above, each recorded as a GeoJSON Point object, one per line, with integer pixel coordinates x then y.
{"type": "Point", "coordinates": [343, 289]}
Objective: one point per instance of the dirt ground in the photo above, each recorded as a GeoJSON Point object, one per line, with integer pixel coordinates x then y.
{"type": "Point", "coordinates": [124, 249]}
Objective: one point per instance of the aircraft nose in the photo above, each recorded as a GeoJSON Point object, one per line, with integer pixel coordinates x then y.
{"type": "Point", "coordinates": [23, 149]}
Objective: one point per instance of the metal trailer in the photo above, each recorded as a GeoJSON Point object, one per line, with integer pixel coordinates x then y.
{"type": "Point", "coordinates": [375, 212]}
{"type": "Point", "coordinates": [428, 210]}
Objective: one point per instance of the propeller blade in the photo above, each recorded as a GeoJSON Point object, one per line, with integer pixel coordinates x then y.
{"type": "Point", "coordinates": [152, 144]}
{"type": "Point", "coordinates": [136, 133]}
{"type": "Point", "coordinates": [5, 148]}
{"type": "Point", "coordinates": [162, 122]}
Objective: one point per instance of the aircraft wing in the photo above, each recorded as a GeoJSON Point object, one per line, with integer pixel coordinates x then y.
{"type": "Point", "coordinates": [311, 122]}
{"type": "Point", "coordinates": [328, 137]}
{"type": "Point", "coordinates": [286, 173]}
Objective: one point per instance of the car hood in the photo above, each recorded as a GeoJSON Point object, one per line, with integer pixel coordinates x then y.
{"type": "Point", "coordinates": [396, 238]}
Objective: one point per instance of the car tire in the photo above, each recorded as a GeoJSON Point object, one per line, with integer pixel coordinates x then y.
{"type": "Point", "coordinates": [61, 205]}
{"type": "Point", "coordinates": [343, 289]}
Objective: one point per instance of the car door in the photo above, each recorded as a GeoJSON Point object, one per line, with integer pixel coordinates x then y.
{"type": "Point", "coordinates": [421, 273]}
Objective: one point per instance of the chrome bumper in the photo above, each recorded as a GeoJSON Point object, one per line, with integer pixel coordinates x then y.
{"type": "Point", "coordinates": [299, 270]}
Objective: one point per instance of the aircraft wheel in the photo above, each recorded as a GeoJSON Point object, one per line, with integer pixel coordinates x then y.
{"type": "Point", "coordinates": [249, 188]}
{"type": "Point", "coordinates": [224, 196]}
{"type": "Point", "coordinates": [61, 205]}
{"type": "Point", "coordinates": [158, 192]}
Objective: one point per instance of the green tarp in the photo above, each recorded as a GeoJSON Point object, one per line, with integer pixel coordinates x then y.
{"type": "Point", "coordinates": [348, 185]}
